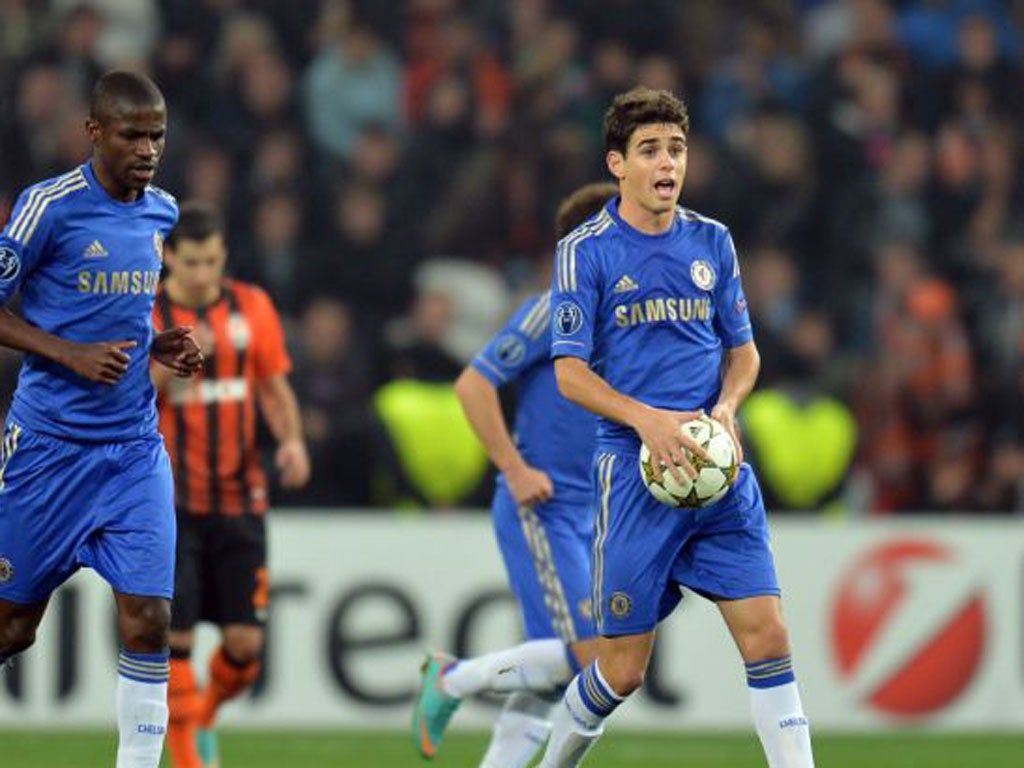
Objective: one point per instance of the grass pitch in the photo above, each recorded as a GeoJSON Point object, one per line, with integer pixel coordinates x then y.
{"type": "Point", "coordinates": [617, 750]}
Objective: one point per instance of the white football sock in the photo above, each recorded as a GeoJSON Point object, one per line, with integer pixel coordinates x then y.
{"type": "Point", "coordinates": [784, 732]}
{"type": "Point", "coordinates": [578, 723]}
{"type": "Point", "coordinates": [569, 741]}
{"type": "Point", "coordinates": [141, 709]}
{"type": "Point", "coordinates": [537, 665]}
{"type": "Point", "coordinates": [519, 732]}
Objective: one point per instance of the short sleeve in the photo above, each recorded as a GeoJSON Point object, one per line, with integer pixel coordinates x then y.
{"type": "Point", "coordinates": [732, 318]}
{"type": "Point", "coordinates": [24, 240]}
{"type": "Point", "coordinates": [574, 300]}
{"type": "Point", "coordinates": [270, 353]}
{"type": "Point", "coordinates": [523, 342]}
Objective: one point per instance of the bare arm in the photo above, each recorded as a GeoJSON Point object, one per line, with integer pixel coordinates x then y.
{"type": "Point", "coordinates": [742, 366]}
{"type": "Point", "coordinates": [657, 428]}
{"type": "Point", "coordinates": [20, 335]}
{"type": "Point", "coordinates": [480, 403]}
{"type": "Point", "coordinates": [280, 408]}
{"type": "Point", "coordinates": [102, 361]}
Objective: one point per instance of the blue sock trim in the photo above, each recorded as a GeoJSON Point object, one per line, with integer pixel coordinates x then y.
{"type": "Point", "coordinates": [574, 663]}
{"type": "Point", "coordinates": [595, 693]}
{"type": "Point", "coordinates": [154, 668]}
{"type": "Point", "coordinates": [770, 673]}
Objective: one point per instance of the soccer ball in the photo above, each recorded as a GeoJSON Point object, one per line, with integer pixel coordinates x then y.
{"type": "Point", "coordinates": [714, 478]}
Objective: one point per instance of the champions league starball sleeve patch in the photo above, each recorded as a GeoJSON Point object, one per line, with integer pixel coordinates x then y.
{"type": "Point", "coordinates": [568, 318]}
{"type": "Point", "coordinates": [10, 264]}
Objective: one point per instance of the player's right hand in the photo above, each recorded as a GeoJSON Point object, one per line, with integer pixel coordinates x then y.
{"type": "Point", "coordinates": [102, 361]}
{"type": "Point", "coordinates": [660, 431]}
{"type": "Point", "coordinates": [528, 485]}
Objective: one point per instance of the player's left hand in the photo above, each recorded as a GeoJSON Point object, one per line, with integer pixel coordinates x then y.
{"type": "Point", "coordinates": [177, 349]}
{"type": "Point", "coordinates": [726, 416]}
{"type": "Point", "coordinates": [292, 460]}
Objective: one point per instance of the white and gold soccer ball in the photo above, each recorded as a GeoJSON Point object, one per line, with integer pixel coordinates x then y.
{"type": "Point", "coordinates": [714, 477]}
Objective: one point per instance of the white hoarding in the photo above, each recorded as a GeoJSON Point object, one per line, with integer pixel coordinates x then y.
{"type": "Point", "coordinates": [894, 623]}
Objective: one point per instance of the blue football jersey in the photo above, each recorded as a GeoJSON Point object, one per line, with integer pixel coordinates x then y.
{"type": "Point", "coordinates": [87, 267]}
{"type": "Point", "coordinates": [552, 433]}
{"type": "Point", "coordinates": [652, 314]}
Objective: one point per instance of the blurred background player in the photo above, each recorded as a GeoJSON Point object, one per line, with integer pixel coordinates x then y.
{"type": "Point", "coordinates": [209, 425]}
{"type": "Point", "coordinates": [84, 477]}
{"type": "Point", "coordinates": [649, 329]}
{"type": "Point", "coordinates": [543, 519]}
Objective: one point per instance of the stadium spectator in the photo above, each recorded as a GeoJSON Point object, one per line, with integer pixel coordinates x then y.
{"type": "Point", "coordinates": [367, 262]}
{"type": "Point", "coordinates": [415, 347]}
{"type": "Point", "coordinates": [77, 47]}
{"type": "Point", "coordinates": [354, 82]}
{"type": "Point", "coordinates": [760, 72]}
{"type": "Point", "coordinates": [1000, 336]}
{"type": "Point", "coordinates": [277, 256]}
{"type": "Point", "coordinates": [456, 49]}
{"type": "Point", "coordinates": [332, 381]}
{"type": "Point", "coordinates": [917, 389]}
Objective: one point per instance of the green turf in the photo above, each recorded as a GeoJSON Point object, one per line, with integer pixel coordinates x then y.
{"type": "Point", "coordinates": [393, 750]}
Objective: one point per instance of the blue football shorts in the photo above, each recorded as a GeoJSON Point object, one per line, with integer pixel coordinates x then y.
{"type": "Point", "coordinates": [546, 550]}
{"type": "Point", "coordinates": [644, 551]}
{"type": "Point", "coordinates": [67, 504]}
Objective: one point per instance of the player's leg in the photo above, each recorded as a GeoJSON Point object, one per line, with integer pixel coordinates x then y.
{"type": "Point", "coordinates": [134, 551]}
{"type": "Point", "coordinates": [183, 697]}
{"type": "Point", "coordinates": [18, 624]}
{"type": "Point", "coordinates": [520, 730]}
{"type": "Point", "coordinates": [143, 672]}
{"type": "Point", "coordinates": [522, 727]}
{"type": "Point", "coordinates": [636, 540]}
{"type": "Point", "coordinates": [594, 695]}
{"type": "Point", "coordinates": [237, 588]}
{"type": "Point", "coordinates": [546, 553]}
{"type": "Point", "coordinates": [730, 558]}
{"type": "Point", "coordinates": [547, 557]}
{"type": "Point", "coordinates": [760, 633]}
{"type": "Point", "coordinates": [533, 673]}
{"type": "Point", "coordinates": [44, 496]}
{"type": "Point", "coordinates": [234, 667]}
{"type": "Point", "coordinates": [184, 700]}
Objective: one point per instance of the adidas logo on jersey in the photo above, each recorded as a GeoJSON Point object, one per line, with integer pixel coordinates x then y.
{"type": "Point", "coordinates": [625, 285]}
{"type": "Point", "coordinates": [95, 251]}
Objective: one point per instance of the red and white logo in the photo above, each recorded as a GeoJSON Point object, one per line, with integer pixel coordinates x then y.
{"type": "Point", "coordinates": [908, 627]}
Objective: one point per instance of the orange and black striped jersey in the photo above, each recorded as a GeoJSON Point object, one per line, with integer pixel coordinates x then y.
{"type": "Point", "coordinates": [209, 421]}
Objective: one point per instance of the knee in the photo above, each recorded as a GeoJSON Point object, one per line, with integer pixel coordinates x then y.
{"type": "Point", "coordinates": [16, 636]}
{"type": "Point", "coordinates": [766, 640]}
{"type": "Point", "coordinates": [624, 678]}
{"type": "Point", "coordinates": [245, 646]}
{"type": "Point", "coordinates": [147, 628]}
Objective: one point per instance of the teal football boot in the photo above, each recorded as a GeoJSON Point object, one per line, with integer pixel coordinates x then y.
{"type": "Point", "coordinates": [434, 707]}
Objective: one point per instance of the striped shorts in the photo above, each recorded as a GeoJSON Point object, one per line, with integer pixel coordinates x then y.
{"type": "Point", "coordinates": [547, 550]}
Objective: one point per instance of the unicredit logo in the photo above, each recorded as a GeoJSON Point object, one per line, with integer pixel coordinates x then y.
{"type": "Point", "coordinates": [908, 627]}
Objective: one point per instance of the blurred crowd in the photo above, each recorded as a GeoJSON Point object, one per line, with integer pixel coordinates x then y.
{"type": "Point", "coordinates": [390, 169]}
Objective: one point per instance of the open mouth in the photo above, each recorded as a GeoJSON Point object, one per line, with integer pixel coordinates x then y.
{"type": "Point", "coordinates": [665, 188]}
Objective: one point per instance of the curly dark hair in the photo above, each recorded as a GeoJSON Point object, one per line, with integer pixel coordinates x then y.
{"type": "Point", "coordinates": [197, 222]}
{"type": "Point", "coordinates": [637, 107]}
